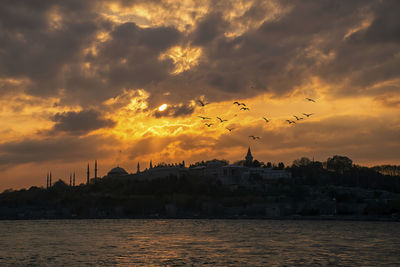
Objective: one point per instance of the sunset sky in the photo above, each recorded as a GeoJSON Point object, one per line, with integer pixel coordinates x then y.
{"type": "Point", "coordinates": [84, 80]}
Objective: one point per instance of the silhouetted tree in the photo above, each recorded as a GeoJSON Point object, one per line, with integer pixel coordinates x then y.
{"type": "Point", "coordinates": [304, 161]}
{"type": "Point", "coordinates": [391, 170]}
{"type": "Point", "coordinates": [339, 164]}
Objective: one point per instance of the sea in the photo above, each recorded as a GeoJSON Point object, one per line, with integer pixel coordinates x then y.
{"type": "Point", "coordinates": [184, 242]}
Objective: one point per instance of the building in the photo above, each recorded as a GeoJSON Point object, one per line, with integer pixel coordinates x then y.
{"type": "Point", "coordinates": [116, 172]}
{"type": "Point", "coordinates": [230, 175]}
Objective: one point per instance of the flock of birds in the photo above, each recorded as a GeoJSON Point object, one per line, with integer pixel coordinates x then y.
{"type": "Point", "coordinates": [244, 107]}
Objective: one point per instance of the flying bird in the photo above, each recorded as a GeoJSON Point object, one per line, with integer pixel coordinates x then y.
{"type": "Point", "coordinates": [309, 99]}
{"type": "Point", "coordinates": [230, 129]}
{"type": "Point", "coordinates": [290, 122]}
{"type": "Point", "coordinates": [266, 120]}
{"type": "Point", "coordinates": [202, 103]}
{"type": "Point", "coordinates": [308, 115]}
{"type": "Point", "coordinates": [209, 124]}
{"type": "Point", "coordinates": [297, 118]}
{"type": "Point", "coordinates": [239, 104]}
{"type": "Point", "coordinates": [244, 108]}
{"type": "Point", "coordinates": [204, 118]}
{"type": "Point", "coordinates": [254, 137]}
{"type": "Point", "coordinates": [221, 120]}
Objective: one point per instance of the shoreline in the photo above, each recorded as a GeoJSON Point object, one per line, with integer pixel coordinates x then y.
{"type": "Point", "coordinates": [261, 218]}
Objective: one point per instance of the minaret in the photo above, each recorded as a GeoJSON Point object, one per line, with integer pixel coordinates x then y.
{"type": "Point", "coordinates": [151, 164]}
{"type": "Point", "coordinates": [74, 180]}
{"type": "Point", "coordinates": [70, 179]}
{"type": "Point", "coordinates": [138, 168]}
{"type": "Point", "coordinates": [88, 174]}
{"type": "Point", "coordinates": [95, 170]}
{"type": "Point", "coordinates": [50, 180]}
{"type": "Point", "coordinates": [183, 163]}
{"type": "Point", "coordinates": [249, 158]}
{"type": "Point", "coordinates": [47, 184]}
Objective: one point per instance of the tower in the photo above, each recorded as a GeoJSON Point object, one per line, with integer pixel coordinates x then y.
{"type": "Point", "coordinates": [138, 167]}
{"type": "Point", "coordinates": [249, 158]}
{"type": "Point", "coordinates": [70, 179]}
{"type": "Point", "coordinates": [47, 183]}
{"type": "Point", "coordinates": [95, 170]}
{"type": "Point", "coordinates": [50, 180]}
{"type": "Point", "coordinates": [88, 174]}
{"type": "Point", "coordinates": [74, 180]}
{"type": "Point", "coordinates": [151, 164]}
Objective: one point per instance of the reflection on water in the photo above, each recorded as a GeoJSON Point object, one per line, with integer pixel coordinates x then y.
{"type": "Point", "coordinates": [199, 242]}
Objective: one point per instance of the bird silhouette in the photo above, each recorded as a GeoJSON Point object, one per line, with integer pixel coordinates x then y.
{"type": "Point", "coordinates": [309, 99]}
{"type": "Point", "coordinates": [202, 103]}
{"type": "Point", "coordinates": [290, 122]}
{"type": "Point", "coordinates": [297, 118]}
{"type": "Point", "coordinates": [204, 118]}
{"type": "Point", "coordinates": [308, 115]}
{"type": "Point", "coordinates": [221, 120]}
{"type": "Point", "coordinates": [244, 108]}
{"type": "Point", "coordinates": [230, 129]}
{"type": "Point", "coordinates": [254, 137]}
{"type": "Point", "coordinates": [239, 104]}
{"type": "Point", "coordinates": [209, 124]}
{"type": "Point", "coordinates": [266, 120]}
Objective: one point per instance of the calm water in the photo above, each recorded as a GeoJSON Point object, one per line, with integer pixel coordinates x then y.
{"type": "Point", "coordinates": [199, 242]}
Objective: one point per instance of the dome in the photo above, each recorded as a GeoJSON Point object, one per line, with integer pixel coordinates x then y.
{"type": "Point", "coordinates": [117, 171]}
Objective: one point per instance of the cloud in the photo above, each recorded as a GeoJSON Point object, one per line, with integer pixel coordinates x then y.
{"type": "Point", "coordinates": [248, 48]}
{"type": "Point", "coordinates": [175, 111]}
{"type": "Point", "coordinates": [80, 122]}
{"type": "Point", "coordinates": [117, 61]}
{"type": "Point", "coordinates": [209, 28]}
{"type": "Point", "coordinates": [34, 50]}
{"type": "Point", "coordinates": [61, 149]}
{"type": "Point", "coordinates": [385, 27]}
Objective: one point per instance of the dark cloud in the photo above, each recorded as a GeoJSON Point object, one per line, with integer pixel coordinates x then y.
{"type": "Point", "coordinates": [80, 122]}
{"type": "Point", "coordinates": [33, 49]}
{"type": "Point", "coordinates": [175, 111]}
{"type": "Point", "coordinates": [62, 149]}
{"type": "Point", "coordinates": [132, 55]}
{"type": "Point", "coordinates": [385, 27]}
{"type": "Point", "coordinates": [284, 52]}
{"type": "Point", "coordinates": [209, 28]}
{"type": "Point", "coordinates": [290, 50]}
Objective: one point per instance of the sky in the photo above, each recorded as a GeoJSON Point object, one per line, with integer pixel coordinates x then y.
{"type": "Point", "coordinates": [123, 81]}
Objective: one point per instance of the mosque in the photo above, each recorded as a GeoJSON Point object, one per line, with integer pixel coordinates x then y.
{"type": "Point", "coordinates": [227, 174]}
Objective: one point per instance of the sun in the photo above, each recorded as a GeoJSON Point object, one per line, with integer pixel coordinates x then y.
{"type": "Point", "coordinates": [162, 107]}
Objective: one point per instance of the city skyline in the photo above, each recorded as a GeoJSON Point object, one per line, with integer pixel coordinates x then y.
{"type": "Point", "coordinates": [130, 81]}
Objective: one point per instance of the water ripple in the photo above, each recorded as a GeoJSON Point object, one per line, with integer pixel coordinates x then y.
{"type": "Point", "coordinates": [198, 243]}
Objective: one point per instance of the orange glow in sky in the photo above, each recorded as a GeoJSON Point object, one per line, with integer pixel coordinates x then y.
{"type": "Point", "coordinates": [132, 81]}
